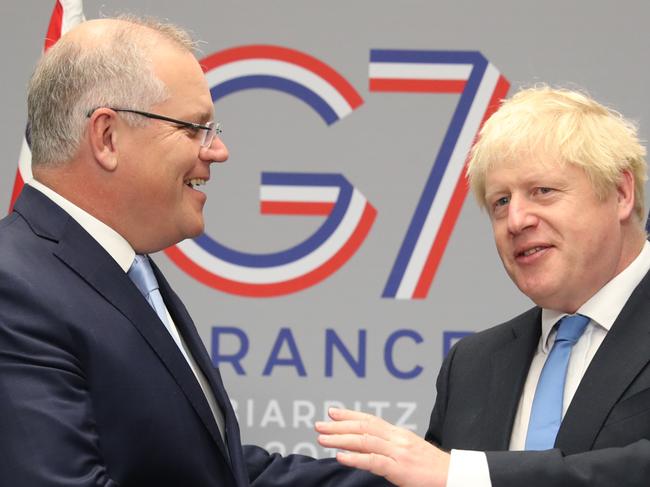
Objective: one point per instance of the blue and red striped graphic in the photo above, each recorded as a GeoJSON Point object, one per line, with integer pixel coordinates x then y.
{"type": "Point", "coordinates": [349, 216]}
{"type": "Point", "coordinates": [295, 198]}
{"type": "Point", "coordinates": [349, 219]}
{"type": "Point", "coordinates": [282, 69]}
{"type": "Point", "coordinates": [481, 87]}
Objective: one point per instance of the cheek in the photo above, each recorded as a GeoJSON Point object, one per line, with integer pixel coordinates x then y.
{"type": "Point", "coordinates": [501, 240]}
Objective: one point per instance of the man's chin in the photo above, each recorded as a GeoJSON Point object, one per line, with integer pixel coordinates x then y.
{"type": "Point", "coordinates": [537, 290]}
{"type": "Point", "coordinates": [188, 231]}
{"type": "Point", "coordinates": [547, 298]}
{"type": "Point", "coordinates": [195, 229]}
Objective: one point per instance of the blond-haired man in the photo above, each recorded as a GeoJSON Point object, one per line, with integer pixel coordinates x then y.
{"type": "Point", "coordinates": [562, 179]}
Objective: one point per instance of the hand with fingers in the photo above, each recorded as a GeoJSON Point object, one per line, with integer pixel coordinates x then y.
{"type": "Point", "coordinates": [372, 444]}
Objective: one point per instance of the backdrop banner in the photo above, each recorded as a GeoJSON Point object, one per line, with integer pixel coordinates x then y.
{"type": "Point", "coordinates": [342, 254]}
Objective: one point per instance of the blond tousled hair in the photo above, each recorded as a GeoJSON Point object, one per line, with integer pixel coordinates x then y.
{"type": "Point", "coordinates": [562, 126]}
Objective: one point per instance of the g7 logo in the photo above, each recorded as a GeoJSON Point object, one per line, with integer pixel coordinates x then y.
{"type": "Point", "coordinates": [349, 216]}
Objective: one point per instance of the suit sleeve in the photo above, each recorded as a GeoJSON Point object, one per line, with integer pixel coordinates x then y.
{"type": "Point", "coordinates": [435, 430]}
{"type": "Point", "coordinates": [274, 470]}
{"type": "Point", "coordinates": [627, 466]}
{"type": "Point", "coordinates": [47, 431]}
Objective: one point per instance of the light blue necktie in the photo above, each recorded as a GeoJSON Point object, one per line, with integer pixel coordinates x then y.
{"type": "Point", "coordinates": [546, 413]}
{"type": "Point", "coordinates": [143, 277]}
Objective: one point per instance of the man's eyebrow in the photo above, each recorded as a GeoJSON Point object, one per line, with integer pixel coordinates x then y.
{"type": "Point", "coordinates": [199, 116]}
{"type": "Point", "coordinates": [494, 192]}
{"type": "Point", "coordinates": [205, 117]}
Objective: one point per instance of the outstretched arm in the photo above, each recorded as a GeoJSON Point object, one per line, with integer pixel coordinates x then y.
{"type": "Point", "coordinates": [372, 444]}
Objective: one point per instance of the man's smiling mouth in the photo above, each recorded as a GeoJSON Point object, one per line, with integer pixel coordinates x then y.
{"type": "Point", "coordinates": [532, 251]}
{"type": "Point", "coordinates": [194, 182]}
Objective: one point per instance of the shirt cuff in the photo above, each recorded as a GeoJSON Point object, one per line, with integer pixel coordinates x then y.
{"type": "Point", "coordinates": [468, 467]}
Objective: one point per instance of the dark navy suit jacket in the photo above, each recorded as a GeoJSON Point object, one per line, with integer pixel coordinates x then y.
{"type": "Point", "coordinates": [93, 389]}
{"type": "Point", "coordinates": [604, 438]}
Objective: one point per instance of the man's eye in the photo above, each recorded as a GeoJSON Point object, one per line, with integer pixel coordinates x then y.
{"type": "Point", "coordinates": [544, 190]}
{"type": "Point", "coordinates": [499, 205]}
{"type": "Point", "coordinates": [501, 201]}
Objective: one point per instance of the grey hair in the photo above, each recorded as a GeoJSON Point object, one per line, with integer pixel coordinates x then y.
{"type": "Point", "coordinates": [72, 79]}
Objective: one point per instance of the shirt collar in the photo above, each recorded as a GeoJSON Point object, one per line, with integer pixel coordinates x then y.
{"type": "Point", "coordinates": [604, 307]}
{"type": "Point", "coordinates": [111, 241]}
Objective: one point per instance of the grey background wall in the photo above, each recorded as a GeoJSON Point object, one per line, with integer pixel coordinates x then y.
{"type": "Point", "coordinates": [385, 149]}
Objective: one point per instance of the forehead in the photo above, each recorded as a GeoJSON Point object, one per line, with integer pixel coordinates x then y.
{"type": "Point", "coordinates": [185, 81]}
{"type": "Point", "coordinates": [529, 169]}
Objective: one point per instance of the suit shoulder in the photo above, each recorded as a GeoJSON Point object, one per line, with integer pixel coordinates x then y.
{"type": "Point", "coordinates": [8, 221]}
{"type": "Point", "coordinates": [497, 335]}
{"type": "Point", "coordinates": [19, 244]}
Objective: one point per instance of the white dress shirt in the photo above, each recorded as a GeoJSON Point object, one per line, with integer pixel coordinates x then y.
{"type": "Point", "coordinates": [119, 249]}
{"type": "Point", "coordinates": [471, 467]}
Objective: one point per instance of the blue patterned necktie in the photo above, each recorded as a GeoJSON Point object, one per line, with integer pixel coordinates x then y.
{"type": "Point", "coordinates": [546, 413]}
{"type": "Point", "coordinates": [143, 277]}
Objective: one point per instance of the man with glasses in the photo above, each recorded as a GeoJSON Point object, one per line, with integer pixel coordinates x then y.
{"type": "Point", "coordinates": [103, 377]}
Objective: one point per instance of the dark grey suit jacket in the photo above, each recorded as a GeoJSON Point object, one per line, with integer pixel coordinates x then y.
{"type": "Point", "coordinates": [604, 439]}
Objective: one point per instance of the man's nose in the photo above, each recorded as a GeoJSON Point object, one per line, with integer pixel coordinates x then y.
{"type": "Point", "coordinates": [521, 214]}
{"type": "Point", "coordinates": [215, 152]}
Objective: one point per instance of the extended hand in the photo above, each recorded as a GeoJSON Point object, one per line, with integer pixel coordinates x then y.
{"type": "Point", "coordinates": [397, 454]}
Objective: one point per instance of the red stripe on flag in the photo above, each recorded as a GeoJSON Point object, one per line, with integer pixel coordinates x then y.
{"type": "Point", "coordinates": [54, 29]}
{"type": "Point", "coordinates": [52, 35]}
{"type": "Point", "coordinates": [18, 187]}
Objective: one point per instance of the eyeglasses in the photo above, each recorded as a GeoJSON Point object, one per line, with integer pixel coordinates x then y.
{"type": "Point", "coordinates": [211, 129]}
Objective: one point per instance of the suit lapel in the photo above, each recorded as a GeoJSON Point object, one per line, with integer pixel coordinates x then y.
{"type": "Point", "coordinates": [626, 345]}
{"type": "Point", "coordinates": [81, 253]}
{"type": "Point", "coordinates": [509, 369]}
{"type": "Point", "coordinates": [197, 349]}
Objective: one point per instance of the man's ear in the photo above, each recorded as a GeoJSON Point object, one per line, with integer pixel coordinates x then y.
{"type": "Point", "coordinates": [625, 195]}
{"type": "Point", "coordinates": [102, 134]}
